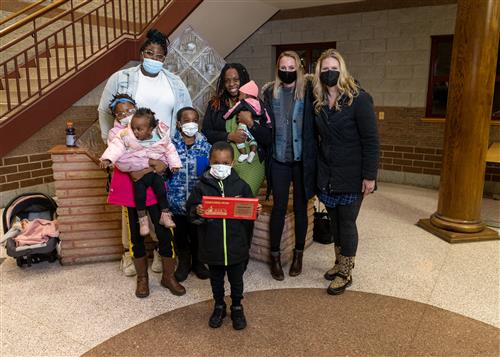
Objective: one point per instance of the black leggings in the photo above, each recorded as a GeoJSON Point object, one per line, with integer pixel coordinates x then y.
{"type": "Point", "coordinates": [281, 176]}
{"type": "Point", "coordinates": [234, 275]}
{"type": "Point", "coordinates": [154, 181]}
{"type": "Point", "coordinates": [186, 237]}
{"type": "Point", "coordinates": [164, 235]}
{"type": "Point", "coordinates": [345, 232]}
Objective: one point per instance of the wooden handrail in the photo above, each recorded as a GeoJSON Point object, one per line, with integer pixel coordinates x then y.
{"type": "Point", "coordinates": [29, 18]}
{"type": "Point", "coordinates": [20, 12]}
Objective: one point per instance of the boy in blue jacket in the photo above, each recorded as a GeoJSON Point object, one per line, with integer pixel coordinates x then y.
{"type": "Point", "coordinates": [193, 149]}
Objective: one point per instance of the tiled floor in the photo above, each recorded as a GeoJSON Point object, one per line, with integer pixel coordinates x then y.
{"type": "Point", "coordinates": [55, 310]}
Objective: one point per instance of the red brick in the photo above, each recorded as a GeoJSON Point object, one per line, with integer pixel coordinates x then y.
{"type": "Point", "coordinates": [91, 252]}
{"type": "Point", "coordinates": [439, 151]}
{"type": "Point", "coordinates": [96, 217]}
{"type": "Point", "coordinates": [15, 160]}
{"type": "Point", "coordinates": [396, 155]}
{"type": "Point", "coordinates": [423, 164]}
{"type": "Point", "coordinates": [39, 157]}
{"type": "Point", "coordinates": [62, 184]}
{"type": "Point", "coordinates": [402, 162]}
{"type": "Point", "coordinates": [386, 160]}
{"type": "Point", "coordinates": [74, 166]}
{"type": "Point", "coordinates": [416, 170]}
{"type": "Point", "coordinates": [433, 158]}
{"type": "Point", "coordinates": [78, 158]}
{"type": "Point", "coordinates": [32, 182]}
{"type": "Point", "coordinates": [85, 201]}
{"type": "Point", "coordinates": [47, 163]}
{"type": "Point", "coordinates": [103, 242]}
{"type": "Point", "coordinates": [404, 148]}
{"type": "Point", "coordinates": [391, 167]}
{"type": "Point", "coordinates": [92, 259]}
{"type": "Point", "coordinates": [2, 179]}
{"type": "Point", "coordinates": [425, 150]}
{"type": "Point", "coordinates": [8, 169]}
{"type": "Point", "coordinates": [432, 171]}
{"type": "Point", "coordinates": [65, 244]}
{"type": "Point", "coordinates": [18, 176]}
{"type": "Point", "coordinates": [9, 186]}
{"type": "Point", "coordinates": [29, 167]}
{"type": "Point", "coordinates": [42, 172]}
{"type": "Point", "coordinates": [437, 165]}
{"type": "Point", "coordinates": [58, 158]}
{"type": "Point", "coordinates": [95, 235]}
{"type": "Point", "coordinates": [81, 192]}
{"type": "Point", "coordinates": [387, 147]}
{"type": "Point", "coordinates": [85, 174]}
{"type": "Point", "coordinates": [413, 156]}
{"type": "Point", "coordinates": [48, 179]}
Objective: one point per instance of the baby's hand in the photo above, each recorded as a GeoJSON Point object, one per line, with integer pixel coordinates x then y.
{"type": "Point", "coordinates": [105, 164]}
{"type": "Point", "coordinates": [199, 210]}
{"type": "Point", "coordinates": [259, 209]}
{"type": "Point", "coordinates": [175, 169]}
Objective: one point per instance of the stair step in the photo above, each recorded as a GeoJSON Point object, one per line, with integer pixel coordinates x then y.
{"type": "Point", "coordinates": [23, 83]}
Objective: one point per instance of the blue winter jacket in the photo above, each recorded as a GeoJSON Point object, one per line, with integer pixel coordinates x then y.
{"type": "Point", "coordinates": [194, 162]}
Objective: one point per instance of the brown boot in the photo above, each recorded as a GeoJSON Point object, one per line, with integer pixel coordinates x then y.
{"type": "Point", "coordinates": [141, 267]}
{"type": "Point", "coordinates": [276, 268]}
{"type": "Point", "coordinates": [168, 279]}
{"type": "Point", "coordinates": [296, 267]}
{"type": "Point", "coordinates": [343, 279]}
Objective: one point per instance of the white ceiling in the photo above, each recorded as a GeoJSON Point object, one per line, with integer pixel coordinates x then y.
{"type": "Point", "coordinates": [295, 4]}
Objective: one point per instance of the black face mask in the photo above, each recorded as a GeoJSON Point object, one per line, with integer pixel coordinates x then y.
{"type": "Point", "coordinates": [329, 78]}
{"type": "Point", "coordinates": [287, 77]}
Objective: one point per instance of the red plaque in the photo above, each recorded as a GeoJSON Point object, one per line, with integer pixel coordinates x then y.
{"type": "Point", "coordinates": [230, 207]}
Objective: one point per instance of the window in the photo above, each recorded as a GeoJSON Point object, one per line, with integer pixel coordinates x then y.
{"type": "Point", "coordinates": [308, 52]}
{"type": "Point", "coordinates": [439, 76]}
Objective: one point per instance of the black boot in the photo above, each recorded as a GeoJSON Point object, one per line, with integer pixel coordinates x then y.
{"type": "Point", "coordinates": [217, 316]}
{"type": "Point", "coordinates": [296, 266]}
{"type": "Point", "coordinates": [200, 270]}
{"type": "Point", "coordinates": [183, 266]}
{"type": "Point", "coordinates": [276, 268]}
{"type": "Point", "coordinates": [238, 317]}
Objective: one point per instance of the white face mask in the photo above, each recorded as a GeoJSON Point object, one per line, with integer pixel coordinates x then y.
{"type": "Point", "coordinates": [220, 172]}
{"type": "Point", "coordinates": [126, 120]}
{"type": "Point", "coordinates": [189, 129]}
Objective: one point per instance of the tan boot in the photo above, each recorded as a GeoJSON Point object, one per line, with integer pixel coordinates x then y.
{"type": "Point", "coordinates": [330, 274]}
{"type": "Point", "coordinates": [141, 267]}
{"type": "Point", "coordinates": [343, 279]}
{"type": "Point", "coordinates": [168, 279]}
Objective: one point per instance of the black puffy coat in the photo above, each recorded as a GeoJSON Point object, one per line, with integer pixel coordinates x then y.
{"type": "Point", "coordinates": [349, 145]}
{"type": "Point", "coordinates": [210, 231]}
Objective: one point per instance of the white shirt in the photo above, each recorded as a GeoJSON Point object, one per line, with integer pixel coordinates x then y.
{"type": "Point", "coordinates": [156, 94]}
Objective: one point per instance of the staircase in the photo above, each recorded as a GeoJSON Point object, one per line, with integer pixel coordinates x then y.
{"type": "Point", "coordinates": [54, 56]}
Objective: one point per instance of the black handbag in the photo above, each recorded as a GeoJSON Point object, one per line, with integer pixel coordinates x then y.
{"type": "Point", "coordinates": [322, 232]}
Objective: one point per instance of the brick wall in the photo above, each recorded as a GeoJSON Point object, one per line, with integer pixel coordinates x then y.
{"type": "Point", "coordinates": [25, 170]}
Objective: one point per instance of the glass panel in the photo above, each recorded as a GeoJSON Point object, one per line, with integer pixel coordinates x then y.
{"type": "Point", "coordinates": [314, 58]}
{"type": "Point", "coordinates": [443, 58]}
{"type": "Point", "coordinates": [439, 98]}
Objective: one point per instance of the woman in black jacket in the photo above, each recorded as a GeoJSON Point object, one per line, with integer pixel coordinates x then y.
{"type": "Point", "coordinates": [216, 128]}
{"type": "Point", "coordinates": [347, 159]}
{"type": "Point", "coordinates": [292, 155]}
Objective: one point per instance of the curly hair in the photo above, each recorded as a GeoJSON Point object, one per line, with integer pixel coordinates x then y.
{"type": "Point", "coordinates": [120, 98]}
{"type": "Point", "coordinates": [148, 114]}
{"type": "Point", "coordinates": [155, 36]}
{"type": "Point", "coordinates": [221, 94]}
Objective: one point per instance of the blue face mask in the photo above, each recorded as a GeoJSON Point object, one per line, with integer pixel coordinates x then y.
{"type": "Point", "coordinates": [151, 66]}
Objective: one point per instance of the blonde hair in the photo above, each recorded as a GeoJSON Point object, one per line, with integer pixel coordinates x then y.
{"type": "Point", "coordinates": [299, 82]}
{"type": "Point", "coordinates": [346, 83]}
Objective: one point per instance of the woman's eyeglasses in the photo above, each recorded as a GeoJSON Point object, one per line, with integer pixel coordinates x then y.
{"type": "Point", "coordinates": [152, 55]}
{"type": "Point", "coordinates": [124, 114]}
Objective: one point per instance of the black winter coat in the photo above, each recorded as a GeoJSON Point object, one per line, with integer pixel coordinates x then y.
{"type": "Point", "coordinates": [210, 231]}
{"type": "Point", "coordinates": [309, 140]}
{"type": "Point", "coordinates": [349, 145]}
{"type": "Point", "coordinates": [214, 128]}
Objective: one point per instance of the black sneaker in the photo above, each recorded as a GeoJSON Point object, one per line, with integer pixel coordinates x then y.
{"type": "Point", "coordinates": [217, 316]}
{"type": "Point", "coordinates": [238, 317]}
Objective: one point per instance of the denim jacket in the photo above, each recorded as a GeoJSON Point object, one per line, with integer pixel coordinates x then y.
{"type": "Point", "coordinates": [297, 121]}
{"type": "Point", "coordinates": [126, 81]}
{"type": "Point", "coordinates": [194, 162]}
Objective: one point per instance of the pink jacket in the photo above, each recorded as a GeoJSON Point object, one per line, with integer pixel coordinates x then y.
{"type": "Point", "coordinates": [121, 191]}
{"type": "Point", "coordinates": [129, 155]}
{"type": "Point", "coordinates": [254, 103]}
{"type": "Point", "coordinates": [36, 231]}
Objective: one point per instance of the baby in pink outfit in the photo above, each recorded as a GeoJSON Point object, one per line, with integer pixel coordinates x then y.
{"type": "Point", "coordinates": [132, 148]}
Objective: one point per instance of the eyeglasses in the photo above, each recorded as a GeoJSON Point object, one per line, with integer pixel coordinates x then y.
{"type": "Point", "coordinates": [152, 55]}
{"type": "Point", "coordinates": [124, 114]}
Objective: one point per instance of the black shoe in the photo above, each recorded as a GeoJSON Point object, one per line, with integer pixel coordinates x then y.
{"type": "Point", "coordinates": [183, 268]}
{"type": "Point", "coordinates": [217, 316]}
{"type": "Point", "coordinates": [201, 271]}
{"type": "Point", "coordinates": [238, 317]}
